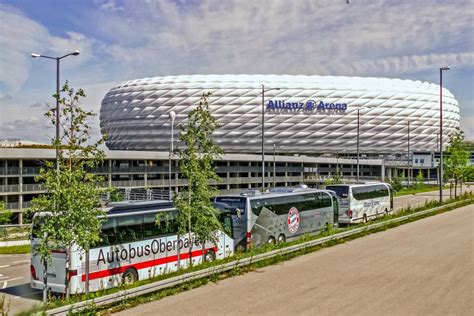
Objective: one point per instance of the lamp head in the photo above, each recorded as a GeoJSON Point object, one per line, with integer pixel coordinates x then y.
{"type": "Point", "coordinates": [172, 115]}
{"type": "Point", "coordinates": [35, 55]}
{"type": "Point", "coordinates": [76, 52]}
{"type": "Point", "coordinates": [444, 68]}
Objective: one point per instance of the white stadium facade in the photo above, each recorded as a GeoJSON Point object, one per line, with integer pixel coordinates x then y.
{"type": "Point", "coordinates": [303, 114]}
{"type": "Point", "coordinates": [310, 128]}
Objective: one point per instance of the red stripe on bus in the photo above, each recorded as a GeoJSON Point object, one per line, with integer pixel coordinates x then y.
{"type": "Point", "coordinates": [142, 265]}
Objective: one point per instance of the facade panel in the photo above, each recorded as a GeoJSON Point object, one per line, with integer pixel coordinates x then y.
{"type": "Point", "coordinates": [307, 114]}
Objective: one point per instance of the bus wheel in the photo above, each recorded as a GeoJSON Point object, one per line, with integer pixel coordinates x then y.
{"type": "Point", "coordinates": [129, 276]}
{"type": "Point", "coordinates": [271, 240]}
{"type": "Point", "coordinates": [281, 238]}
{"type": "Point", "coordinates": [364, 219]}
{"type": "Point", "coordinates": [209, 256]}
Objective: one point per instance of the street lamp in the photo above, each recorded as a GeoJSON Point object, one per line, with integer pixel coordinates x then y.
{"type": "Point", "coordinates": [75, 53]}
{"type": "Point", "coordinates": [263, 132]}
{"type": "Point", "coordinates": [172, 116]}
{"type": "Point", "coordinates": [274, 166]}
{"type": "Point", "coordinates": [408, 155]}
{"type": "Point", "coordinates": [441, 132]}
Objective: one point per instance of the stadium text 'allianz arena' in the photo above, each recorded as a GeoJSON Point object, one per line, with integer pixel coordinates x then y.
{"type": "Point", "coordinates": [303, 114]}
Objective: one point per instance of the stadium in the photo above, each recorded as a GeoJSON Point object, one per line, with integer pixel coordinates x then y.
{"type": "Point", "coordinates": [302, 114]}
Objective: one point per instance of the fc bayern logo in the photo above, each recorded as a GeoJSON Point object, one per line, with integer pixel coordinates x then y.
{"type": "Point", "coordinates": [293, 220]}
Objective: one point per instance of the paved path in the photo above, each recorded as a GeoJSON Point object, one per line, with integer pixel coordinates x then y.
{"type": "Point", "coordinates": [419, 199]}
{"type": "Point", "coordinates": [421, 268]}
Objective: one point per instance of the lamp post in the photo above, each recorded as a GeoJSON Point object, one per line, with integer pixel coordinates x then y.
{"type": "Point", "coordinates": [263, 132]}
{"type": "Point", "coordinates": [274, 166]}
{"type": "Point", "coordinates": [172, 116]}
{"type": "Point", "coordinates": [408, 155]}
{"type": "Point", "coordinates": [441, 132]}
{"type": "Point", "coordinates": [75, 53]}
{"type": "Point", "coordinates": [358, 127]}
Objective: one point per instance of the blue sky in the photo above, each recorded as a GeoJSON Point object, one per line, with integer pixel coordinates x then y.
{"type": "Point", "coordinates": [123, 40]}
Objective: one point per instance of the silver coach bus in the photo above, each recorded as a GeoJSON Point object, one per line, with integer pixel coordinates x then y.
{"type": "Point", "coordinates": [363, 202]}
{"type": "Point", "coordinates": [280, 215]}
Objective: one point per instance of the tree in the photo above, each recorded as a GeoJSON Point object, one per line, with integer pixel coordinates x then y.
{"type": "Point", "coordinates": [457, 160]}
{"type": "Point", "coordinates": [196, 213]}
{"type": "Point", "coordinates": [5, 215]}
{"type": "Point", "coordinates": [419, 180]}
{"type": "Point", "coordinates": [72, 193]}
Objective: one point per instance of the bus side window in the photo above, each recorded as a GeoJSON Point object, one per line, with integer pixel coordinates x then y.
{"type": "Point", "coordinates": [130, 228]}
{"type": "Point", "coordinates": [167, 223]}
{"type": "Point", "coordinates": [150, 229]}
{"type": "Point", "coordinates": [108, 232]}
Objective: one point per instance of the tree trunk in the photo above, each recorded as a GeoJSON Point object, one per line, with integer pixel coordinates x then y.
{"type": "Point", "coordinates": [178, 251]}
{"type": "Point", "coordinates": [202, 248]}
{"type": "Point", "coordinates": [45, 281]}
{"type": "Point", "coordinates": [455, 188]}
{"type": "Point", "coordinates": [68, 292]}
{"type": "Point", "coordinates": [190, 243]}
{"type": "Point", "coordinates": [87, 271]}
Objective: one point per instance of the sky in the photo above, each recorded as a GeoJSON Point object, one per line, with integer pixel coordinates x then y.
{"type": "Point", "coordinates": [124, 40]}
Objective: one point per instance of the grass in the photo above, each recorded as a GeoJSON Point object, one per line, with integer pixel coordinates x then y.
{"type": "Point", "coordinates": [414, 190]}
{"type": "Point", "coordinates": [131, 302]}
{"type": "Point", "coordinates": [14, 233]}
{"type": "Point", "coordinates": [467, 198]}
{"type": "Point", "coordinates": [15, 249]}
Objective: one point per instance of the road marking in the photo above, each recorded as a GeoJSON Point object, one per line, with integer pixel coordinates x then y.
{"type": "Point", "coordinates": [21, 261]}
{"type": "Point", "coordinates": [13, 279]}
{"type": "Point", "coordinates": [6, 266]}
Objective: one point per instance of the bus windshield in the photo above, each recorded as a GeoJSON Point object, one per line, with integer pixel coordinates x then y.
{"type": "Point", "coordinates": [342, 191]}
{"type": "Point", "coordinates": [234, 202]}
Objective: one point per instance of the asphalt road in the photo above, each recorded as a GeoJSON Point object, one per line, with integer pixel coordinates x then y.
{"type": "Point", "coordinates": [421, 268]}
{"type": "Point", "coordinates": [14, 281]}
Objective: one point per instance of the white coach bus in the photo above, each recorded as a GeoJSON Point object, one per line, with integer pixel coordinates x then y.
{"type": "Point", "coordinates": [280, 215]}
{"type": "Point", "coordinates": [133, 248]}
{"type": "Point", "coordinates": [362, 202]}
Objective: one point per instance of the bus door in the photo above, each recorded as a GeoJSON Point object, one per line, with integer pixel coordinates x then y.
{"type": "Point", "coordinates": [239, 223]}
{"type": "Point", "coordinates": [391, 198]}
{"type": "Point", "coordinates": [335, 205]}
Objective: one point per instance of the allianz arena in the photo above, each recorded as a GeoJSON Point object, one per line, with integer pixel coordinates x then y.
{"type": "Point", "coordinates": [303, 114]}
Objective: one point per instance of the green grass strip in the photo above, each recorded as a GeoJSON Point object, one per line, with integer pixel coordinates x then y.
{"type": "Point", "coordinates": [15, 250]}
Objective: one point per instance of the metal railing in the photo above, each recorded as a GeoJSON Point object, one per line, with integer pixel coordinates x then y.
{"type": "Point", "coordinates": [180, 279]}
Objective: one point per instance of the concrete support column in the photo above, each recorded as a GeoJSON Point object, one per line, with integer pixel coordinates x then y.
{"type": "Point", "coordinates": [228, 176]}
{"type": "Point", "coordinates": [382, 171]}
{"type": "Point", "coordinates": [302, 172]}
{"type": "Point", "coordinates": [20, 196]}
{"type": "Point", "coordinates": [109, 176]}
{"type": "Point", "coordinates": [145, 174]}
{"type": "Point", "coordinates": [249, 175]}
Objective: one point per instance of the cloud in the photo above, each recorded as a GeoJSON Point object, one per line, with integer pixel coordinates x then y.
{"type": "Point", "coordinates": [43, 131]}
{"type": "Point", "coordinates": [467, 125]}
{"type": "Point", "coordinates": [303, 37]}
{"type": "Point", "coordinates": [111, 6]}
{"type": "Point", "coordinates": [43, 105]}
{"type": "Point", "coordinates": [20, 36]}
{"type": "Point", "coordinates": [5, 97]}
